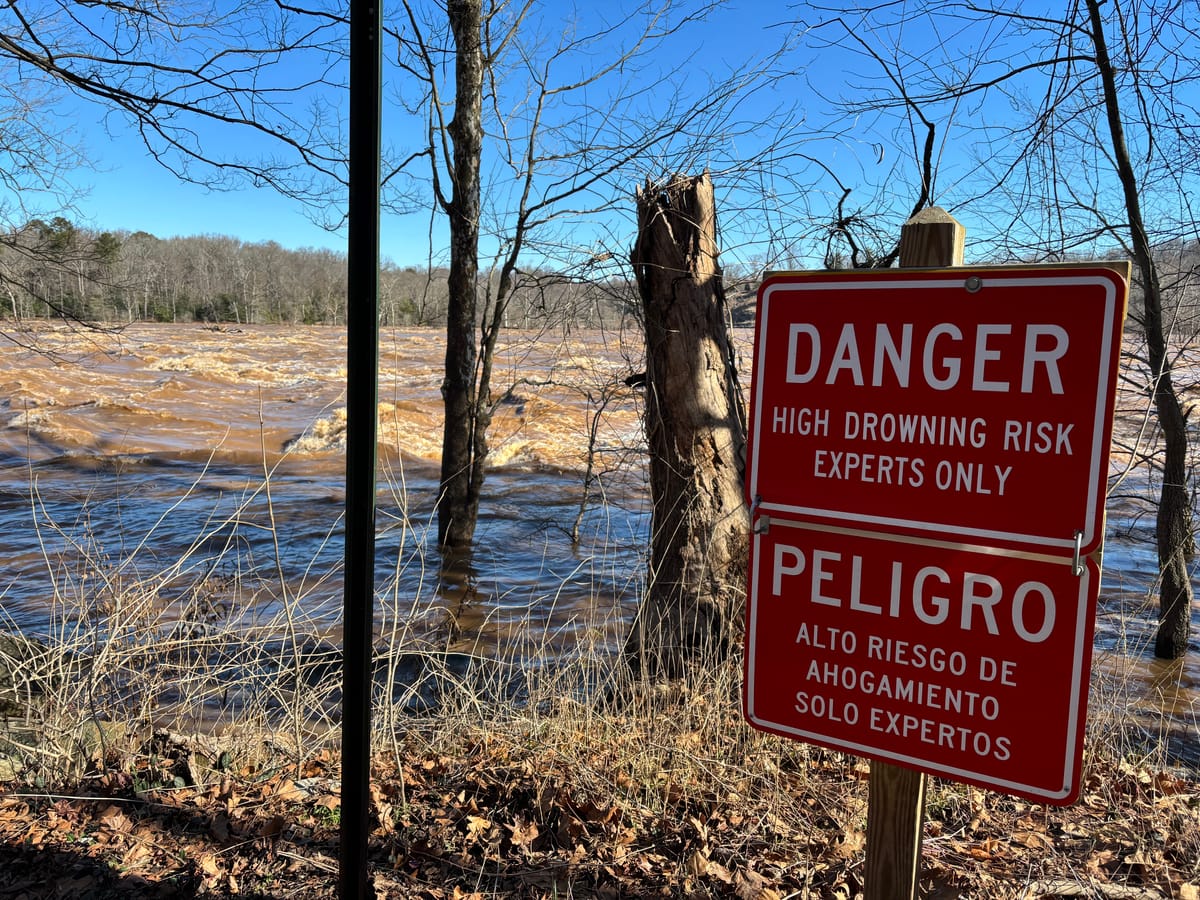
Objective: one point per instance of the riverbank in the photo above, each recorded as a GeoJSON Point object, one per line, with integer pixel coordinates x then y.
{"type": "Point", "coordinates": [669, 794]}
{"type": "Point", "coordinates": [184, 569]}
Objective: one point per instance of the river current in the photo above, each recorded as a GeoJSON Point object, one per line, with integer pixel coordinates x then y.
{"type": "Point", "coordinates": [162, 457]}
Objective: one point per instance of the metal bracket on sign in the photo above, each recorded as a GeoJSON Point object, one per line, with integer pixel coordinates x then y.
{"type": "Point", "coordinates": [762, 524]}
{"type": "Point", "coordinates": [1076, 561]}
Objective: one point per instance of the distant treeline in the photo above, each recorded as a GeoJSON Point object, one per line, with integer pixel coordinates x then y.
{"type": "Point", "coordinates": [56, 269]}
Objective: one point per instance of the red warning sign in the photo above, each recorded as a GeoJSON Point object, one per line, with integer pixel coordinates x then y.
{"type": "Point", "coordinates": [966, 402]}
{"type": "Point", "coordinates": [966, 664]}
{"type": "Point", "coordinates": [927, 470]}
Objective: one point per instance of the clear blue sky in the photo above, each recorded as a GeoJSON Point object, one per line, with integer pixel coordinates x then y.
{"type": "Point", "coordinates": [128, 190]}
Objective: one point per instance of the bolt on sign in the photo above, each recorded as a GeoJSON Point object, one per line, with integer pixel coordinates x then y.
{"type": "Point", "coordinates": [927, 468]}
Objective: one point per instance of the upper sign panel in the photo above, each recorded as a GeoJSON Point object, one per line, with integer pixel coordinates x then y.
{"type": "Point", "coordinates": [972, 402]}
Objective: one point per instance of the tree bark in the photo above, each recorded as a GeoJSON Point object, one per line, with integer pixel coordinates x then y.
{"type": "Point", "coordinates": [696, 430]}
{"type": "Point", "coordinates": [458, 501]}
{"type": "Point", "coordinates": [1174, 521]}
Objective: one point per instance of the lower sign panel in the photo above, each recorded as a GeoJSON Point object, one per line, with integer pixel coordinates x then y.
{"type": "Point", "coordinates": [963, 663]}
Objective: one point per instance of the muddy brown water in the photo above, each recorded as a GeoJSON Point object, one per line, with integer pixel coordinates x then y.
{"type": "Point", "coordinates": [123, 455]}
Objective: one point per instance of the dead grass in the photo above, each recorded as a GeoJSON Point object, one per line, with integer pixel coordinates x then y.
{"type": "Point", "coordinates": [511, 784]}
{"type": "Point", "coordinates": [669, 795]}
{"type": "Point", "coordinates": [175, 733]}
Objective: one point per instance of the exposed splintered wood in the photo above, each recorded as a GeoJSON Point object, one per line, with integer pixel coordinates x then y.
{"type": "Point", "coordinates": [696, 430]}
{"type": "Point", "coordinates": [932, 238]}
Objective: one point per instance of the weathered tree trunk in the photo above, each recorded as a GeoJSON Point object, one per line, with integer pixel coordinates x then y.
{"type": "Point", "coordinates": [458, 503]}
{"type": "Point", "coordinates": [696, 430]}
{"type": "Point", "coordinates": [1174, 523]}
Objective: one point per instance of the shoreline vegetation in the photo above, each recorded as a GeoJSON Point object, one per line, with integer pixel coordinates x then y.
{"type": "Point", "coordinates": [558, 792]}
{"type": "Point", "coordinates": [64, 272]}
{"type": "Point", "coordinates": [197, 757]}
{"type": "Point", "coordinates": [160, 743]}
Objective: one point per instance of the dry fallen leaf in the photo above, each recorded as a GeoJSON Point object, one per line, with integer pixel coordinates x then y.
{"type": "Point", "coordinates": [749, 885]}
{"type": "Point", "coordinates": [719, 872]}
{"type": "Point", "coordinates": [852, 845]}
{"type": "Point", "coordinates": [209, 866]}
{"type": "Point", "coordinates": [287, 790]}
{"type": "Point", "coordinates": [114, 817]}
{"type": "Point", "coordinates": [478, 827]}
{"type": "Point", "coordinates": [1099, 860]}
{"type": "Point", "coordinates": [272, 828]}
{"type": "Point", "coordinates": [1035, 840]}
{"type": "Point", "coordinates": [218, 828]}
{"type": "Point", "coordinates": [135, 855]}
{"type": "Point", "coordinates": [524, 833]}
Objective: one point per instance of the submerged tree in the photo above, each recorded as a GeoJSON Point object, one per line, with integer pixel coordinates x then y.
{"type": "Point", "coordinates": [545, 127]}
{"type": "Point", "coordinates": [1173, 529]}
{"type": "Point", "coordinates": [696, 431]}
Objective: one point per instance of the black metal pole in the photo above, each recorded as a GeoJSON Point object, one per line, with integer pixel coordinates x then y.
{"type": "Point", "coordinates": [362, 367]}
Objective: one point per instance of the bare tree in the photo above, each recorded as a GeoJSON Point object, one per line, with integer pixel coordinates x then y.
{"type": "Point", "coordinates": [564, 124]}
{"type": "Point", "coordinates": [1072, 134]}
{"type": "Point", "coordinates": [261, 80]}
{"type": "Point", "coordinates": [1174, 530]}
{"type": "Point", "coordinates": [696, 431]}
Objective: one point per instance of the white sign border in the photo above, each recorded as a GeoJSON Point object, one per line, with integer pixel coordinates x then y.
{"type": "Point", "coordinates": [1096, 479]}
{"type": "Point", "coordinates": [1076, 713]}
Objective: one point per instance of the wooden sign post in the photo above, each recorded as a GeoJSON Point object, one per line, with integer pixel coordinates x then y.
{"type": "Point", "coordinates": [928, 453]}
{"type": "Point", "coordinates": [896, 795]}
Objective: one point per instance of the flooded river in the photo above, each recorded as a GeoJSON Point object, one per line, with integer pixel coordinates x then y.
{"type": "Point", "coordinates": [164, 458]}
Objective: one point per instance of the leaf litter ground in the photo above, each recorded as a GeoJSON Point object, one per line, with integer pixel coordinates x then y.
{"type": "Point", "coordinates": [584, 808]}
